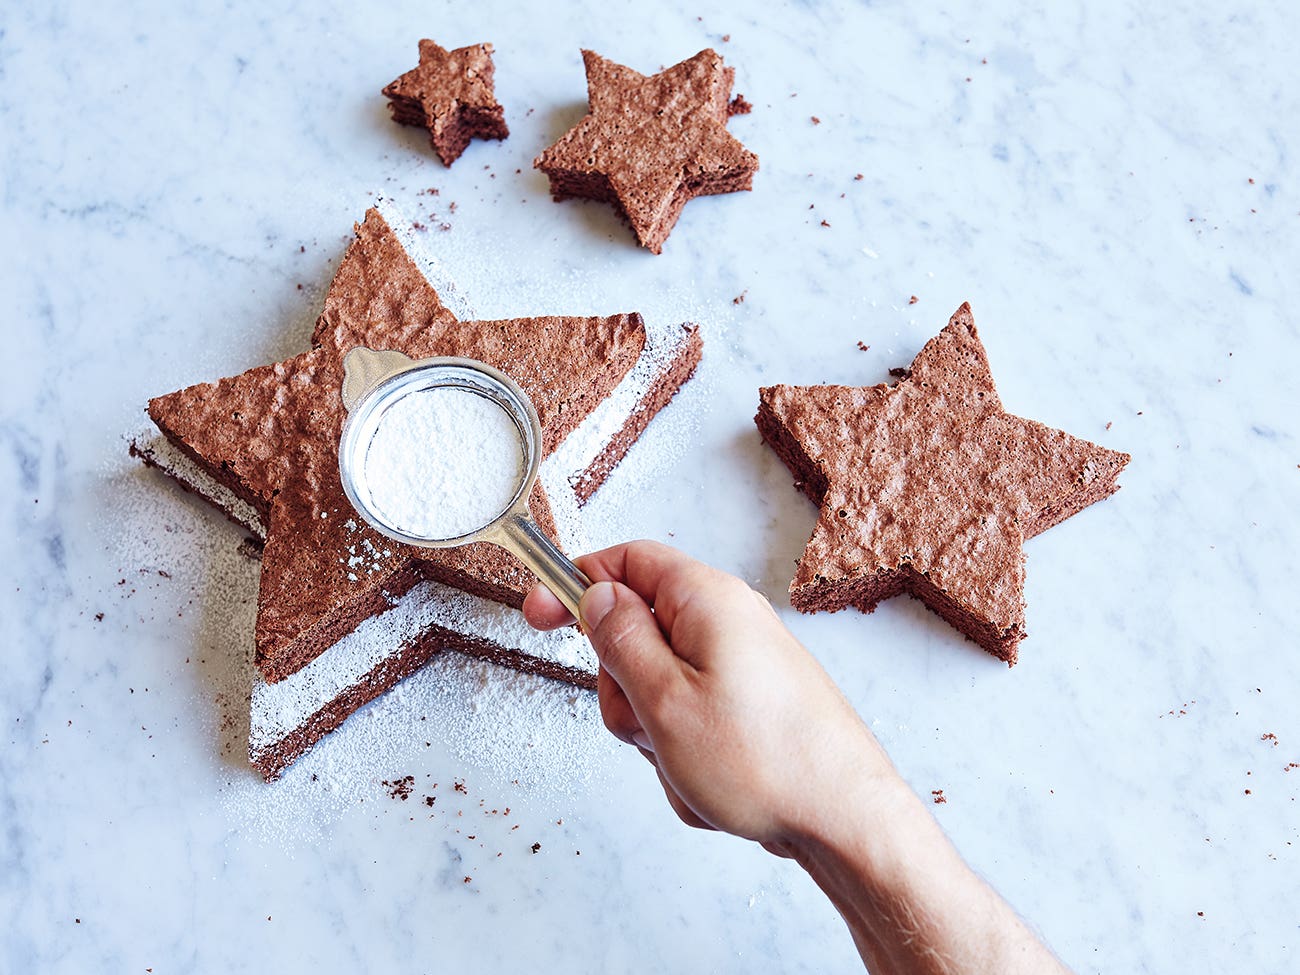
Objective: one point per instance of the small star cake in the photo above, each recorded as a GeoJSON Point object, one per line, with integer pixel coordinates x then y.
{"type": "Point", "coordinates": [649, 144]}
{"type": "Point", "coordinates": [343, 613]}
{"type": "Point", "coordinates": [929, 487]}
{"type": "Point", "coordinates": [451, 94]}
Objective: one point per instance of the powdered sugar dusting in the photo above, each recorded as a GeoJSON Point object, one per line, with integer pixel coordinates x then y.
{"type": "Point", "coordinates": [663, 343]}
{"type": "Point", "coordinates": [500, 728]}
{"type": "Point", "coordinates": [156, 451]}
{"type": "Point", "coordinates": [282, 707]}
{"type": "Point", "coordinates": [443, 462]}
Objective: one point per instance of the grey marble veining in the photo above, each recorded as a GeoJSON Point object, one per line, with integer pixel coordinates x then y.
{"type": "Point", "coordinates": [1112, 185]}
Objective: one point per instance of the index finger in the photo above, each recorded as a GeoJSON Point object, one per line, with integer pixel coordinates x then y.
{"type": "Point", "coordinates": [647, 568]}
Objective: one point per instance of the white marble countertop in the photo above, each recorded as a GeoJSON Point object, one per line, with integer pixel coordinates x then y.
{"type": "Point", "coordinates": [1115, 189]}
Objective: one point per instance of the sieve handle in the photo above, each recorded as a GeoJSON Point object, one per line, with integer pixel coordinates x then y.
{"type": "Point", "coordinates": [555, 569]}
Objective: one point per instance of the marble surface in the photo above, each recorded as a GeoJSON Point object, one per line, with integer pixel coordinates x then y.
{"type": "Point", "coordinates": [1113, 186]}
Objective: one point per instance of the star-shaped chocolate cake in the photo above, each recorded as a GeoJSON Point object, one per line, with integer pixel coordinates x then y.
{"type": "Point", "coordinates": [929, 487]}
{"type": "Point", "coordinates": [649, 144]}
{"type": "Point", "coordinates": [271, 435]}
{"type": "Point", "coordinates": [452, 95]}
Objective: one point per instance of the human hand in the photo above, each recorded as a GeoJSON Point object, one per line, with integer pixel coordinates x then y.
{"type": "Point", "coordinates": [749, 735]}
{"type": "Point", "coordinates": [747, 731]}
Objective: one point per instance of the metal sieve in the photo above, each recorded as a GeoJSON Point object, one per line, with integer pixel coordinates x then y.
{"type": "Point", "coordinates": [373, 382]}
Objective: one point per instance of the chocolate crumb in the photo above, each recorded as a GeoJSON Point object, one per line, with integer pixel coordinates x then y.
{"type": "Point", "coordinates": [1269, 736]}
{"type": "Point", "coordinates": [825, 223]}
{"type": "Point", "coordinates": [400, 788]}
{"type": "Point", "coordinates": [858, 178]}
{"type": "Point", "coordinates": [99, 617]}
{"type": "Point", "coordinates": [740, 298]}
{"type": "Point", "coordinates": [815, 120]}
{"type": "Point", "coordinates": [862, 346]}
{"type": "Point", "coordinates": [430, 800]}
{"type": "Point", "coordinates": [939, 798]}
{"type": "Point", "coordinates": [900, 372]}
{"type": "Point", "coordinates": [913, 300]}
{"type": "Point", "coordinates": [536, 847]}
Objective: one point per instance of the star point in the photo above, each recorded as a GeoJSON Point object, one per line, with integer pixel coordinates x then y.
{"type": "Point", "coordinates": [271, 436]}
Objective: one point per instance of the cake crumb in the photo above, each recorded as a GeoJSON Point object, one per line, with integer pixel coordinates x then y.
{"type": "Point", "coordinates": [913, 300]}
{"type": "Point", "coordinates": [739, 106]}
{"type": "Point", "coordinates": [1269, 736]}
{"type": "Point", "coordinates": [862, 346]}
{"type": "Point", "coordinates": [939, 798]}
{"type": "Point", "coordinates": [815, 120]}
{"type": "Point", "coordinates": [400, 788]}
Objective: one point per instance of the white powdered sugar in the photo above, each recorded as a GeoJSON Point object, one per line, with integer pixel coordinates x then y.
{"type": "Point", "coordinates": [443, 462]}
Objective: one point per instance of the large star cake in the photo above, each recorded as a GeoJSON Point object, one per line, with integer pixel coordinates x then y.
{"type": "Point", "coordinates": [343, 612]}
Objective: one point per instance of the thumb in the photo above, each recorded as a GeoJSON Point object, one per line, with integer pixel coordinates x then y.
{"type": "Point", "coordinates": [627, 639]}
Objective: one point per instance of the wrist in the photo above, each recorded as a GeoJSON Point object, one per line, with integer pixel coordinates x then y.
{"type": "Point", "coordinates": [860, 796]}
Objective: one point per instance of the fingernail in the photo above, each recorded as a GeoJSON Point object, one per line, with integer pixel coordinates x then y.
{"type": "Point", "coordinates": [642, 740]}
{"type": "Point", "coordinates": [596, 604]}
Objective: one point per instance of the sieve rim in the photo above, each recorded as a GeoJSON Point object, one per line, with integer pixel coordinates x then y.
{"type": "Point", "coordinates": [419, 375]}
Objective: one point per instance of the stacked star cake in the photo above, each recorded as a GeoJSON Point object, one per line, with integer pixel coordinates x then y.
{"type": "Point", "coordinates": [344, 613]}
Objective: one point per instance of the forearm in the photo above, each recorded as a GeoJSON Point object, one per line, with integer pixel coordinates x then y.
{"type": "Point", "coordinates": [911, 903]}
